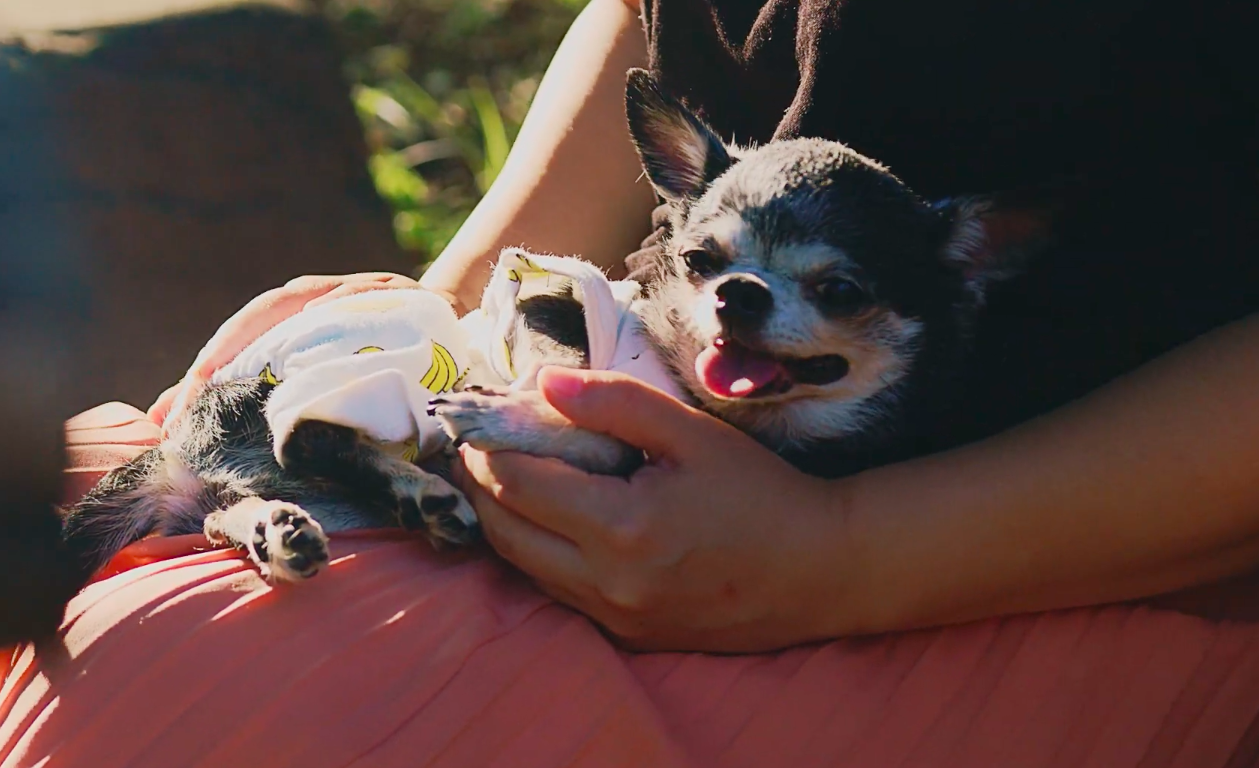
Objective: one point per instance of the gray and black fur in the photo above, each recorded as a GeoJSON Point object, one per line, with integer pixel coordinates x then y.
{"type": "Point", "coordinates": [801, 252]}
{"type": "Point", "coordinates": [211, 472]}
{"type": "Point", "coordinates": [808, 253]}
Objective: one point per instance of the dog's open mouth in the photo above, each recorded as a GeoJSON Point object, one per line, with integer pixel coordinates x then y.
{"type": "Point", "coordinates": [730, 370]}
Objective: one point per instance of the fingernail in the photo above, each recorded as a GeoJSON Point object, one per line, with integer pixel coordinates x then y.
{"type": "Point", "coordinates": [561, 383]}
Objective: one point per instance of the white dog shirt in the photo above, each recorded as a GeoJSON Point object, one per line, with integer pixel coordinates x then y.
{"type": "Point", "coordinates": [613, 328]}
{"type": "Point", "coordinates": [373, 360]}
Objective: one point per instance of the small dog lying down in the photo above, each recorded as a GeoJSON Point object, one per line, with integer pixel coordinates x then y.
{"type": "Point", "coordinates": [805, 295]}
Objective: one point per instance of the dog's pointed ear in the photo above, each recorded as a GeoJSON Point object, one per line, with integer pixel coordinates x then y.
{"type": "Point", "coordinates": [992, 238]}
{"type": "Point", "coordinates": [680, 154]}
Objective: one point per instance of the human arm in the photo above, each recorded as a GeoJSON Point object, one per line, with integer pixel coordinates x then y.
{"type": "Point", "coordinates": [1147, 485]}
{"type": "Point", "coordinates": [569, 185]}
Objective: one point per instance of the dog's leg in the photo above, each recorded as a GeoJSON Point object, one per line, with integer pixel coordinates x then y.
{"type": "Point", "coordinates": [280, 538]}
{"type": "Point", "coordinates": [525, 422]}
{"type": "Point", "coordinates": [417, 499]}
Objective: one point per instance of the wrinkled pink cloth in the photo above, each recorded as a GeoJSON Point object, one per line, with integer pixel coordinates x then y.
{"type": "Point", "coordinates": [398, 656]}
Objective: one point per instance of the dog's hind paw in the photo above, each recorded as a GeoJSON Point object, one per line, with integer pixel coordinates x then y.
{"type": "Point", "coordinates": [430, 504]}
{"type": "Point", "coordinates": [285, 542]}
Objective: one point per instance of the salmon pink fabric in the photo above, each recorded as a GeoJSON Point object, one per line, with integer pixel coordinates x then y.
{"type": "Point", "coordinates": [398, 656]}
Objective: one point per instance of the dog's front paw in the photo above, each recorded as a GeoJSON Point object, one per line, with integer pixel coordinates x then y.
{"type": "Point", "coordinates": [478, 417]}
{"type": "Point", "coordinates": [285, 542]}
{"type": "Point", "coordinates": [525, 422]}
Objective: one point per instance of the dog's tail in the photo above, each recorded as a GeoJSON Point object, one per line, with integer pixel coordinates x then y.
{"type": "Point", "coordinates": [119, 511]}
{"type": "Point", "coordinates": [123, 508]}
{"type": "Point", "coordinates": [48, 555]}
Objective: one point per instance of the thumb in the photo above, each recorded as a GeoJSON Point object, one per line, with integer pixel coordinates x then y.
{"type": "Point", "coordinates": [627, 409]}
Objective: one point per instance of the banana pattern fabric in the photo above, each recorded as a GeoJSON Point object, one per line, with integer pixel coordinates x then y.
{"type": "Point", "coordinates": [370, 361]}
{"type": "Point", "coordinates": [613, 329]}
{"type": "Point", "coordinates": [373, 360]}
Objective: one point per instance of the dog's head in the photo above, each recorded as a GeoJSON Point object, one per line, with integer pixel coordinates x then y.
{"type": "Point", "coordinates": [803, 282]}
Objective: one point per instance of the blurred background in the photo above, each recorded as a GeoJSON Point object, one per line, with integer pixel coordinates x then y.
{"type": "Point", "coordinates": [194, 153]}
{"type": "Point", "coordinates": [164, 161]}
{"type": "Point", "coordinates": [442, 87]}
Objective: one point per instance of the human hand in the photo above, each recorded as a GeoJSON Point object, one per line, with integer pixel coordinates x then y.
{"type": "Point", "coordinates": [717, 544]}
{"type": "Point", "coordinates": [259, 316]}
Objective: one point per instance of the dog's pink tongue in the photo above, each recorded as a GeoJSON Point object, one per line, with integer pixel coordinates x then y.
{"type": "Point", "coordinates": [728, 370]}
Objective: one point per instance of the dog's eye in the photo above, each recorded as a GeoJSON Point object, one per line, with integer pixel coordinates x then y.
{"type": "Point", "coordinates": [703, 263]}
{"type": "Point", "coordinates": [838, 293]}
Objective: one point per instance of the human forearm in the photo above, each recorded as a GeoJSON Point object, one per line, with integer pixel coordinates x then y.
{"type": "Point", "coordinates": [569, 184]}
{"type": "Point", "coordinates": [1148, 485]}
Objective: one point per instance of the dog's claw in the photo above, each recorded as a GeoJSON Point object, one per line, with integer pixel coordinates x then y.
{"type": "Point", "coordinates": [260, 542]}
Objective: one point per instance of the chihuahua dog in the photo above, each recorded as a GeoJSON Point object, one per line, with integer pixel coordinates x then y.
{"type": "Point", "coordinates": [804, 295]}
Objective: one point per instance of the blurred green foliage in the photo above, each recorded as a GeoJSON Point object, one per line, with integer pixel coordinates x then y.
{"type": "Point", "coordinates": [442, 87]}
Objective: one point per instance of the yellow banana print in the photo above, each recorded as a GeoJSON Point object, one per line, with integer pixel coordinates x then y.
{"type": "Point", "coordinates": [367, 350]}
{"type": "Point", "coordinates": [266, 375]}
{"type": "Point", "coordinates": [511, 366]}
{"type": "Point", "coordinates": [410, 451]}
{"type": "Point", "coordinates": [443, 373]}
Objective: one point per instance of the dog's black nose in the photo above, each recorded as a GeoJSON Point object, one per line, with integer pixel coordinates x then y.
{"type": "Point", "coordinates": [743, 300]}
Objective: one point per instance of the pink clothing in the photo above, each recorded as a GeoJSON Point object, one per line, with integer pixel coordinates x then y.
{"type": "Point", "coordinates": [397, 656]}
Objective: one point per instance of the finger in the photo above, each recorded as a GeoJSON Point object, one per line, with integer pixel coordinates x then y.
{"type": "Point", "coordinates": [629, 410]}
{"type": "Point", "coordinates": [269, 309]}
{"type": "Point", "coordinates": [307, 282]}
{"type": "Point", "coordinates": [536, 551]}
{"type": "Point", "coordinates": [187, 390]}
{"type": "Point", "coordinates": [350, 289]}
{"type": "Point", "coordinates": [257, 317]}
{"type": "Point", "coordinates": [551, 494]}
{"type": "Point", "coordinates": [240, 330]}
{"type": "Point", "coordinates": [161, 406]}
